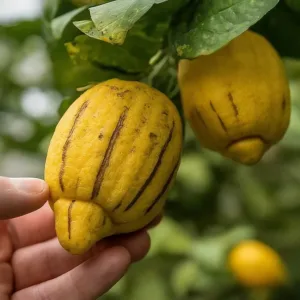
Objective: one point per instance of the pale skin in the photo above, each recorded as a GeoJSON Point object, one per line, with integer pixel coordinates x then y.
{"type": "Point", "coordinates": [34, 266]}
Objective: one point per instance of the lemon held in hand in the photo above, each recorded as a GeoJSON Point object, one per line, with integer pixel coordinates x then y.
{"type": "Point", "coordinates": [111, 161]}
{"type": "Point", "coordinates": [237, 100]}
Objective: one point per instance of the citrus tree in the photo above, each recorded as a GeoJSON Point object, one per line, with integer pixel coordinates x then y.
{"type": "Point", "coordinates": [225, 223]}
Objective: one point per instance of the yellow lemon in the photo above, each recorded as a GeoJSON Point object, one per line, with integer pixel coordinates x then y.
{"type": "Point", "coordinates": [111, 161]}
{"type": "Point", "coordinates": [237, 100]}
{"type": "Point", "coordinates": [255, 264]}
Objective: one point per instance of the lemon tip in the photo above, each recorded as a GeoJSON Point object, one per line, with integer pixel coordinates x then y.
{"type": "Point", "coordinates": [248, 151]}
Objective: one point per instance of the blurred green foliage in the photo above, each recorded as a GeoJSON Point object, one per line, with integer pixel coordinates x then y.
{"type": "Point", "coordinates": [214, 204]}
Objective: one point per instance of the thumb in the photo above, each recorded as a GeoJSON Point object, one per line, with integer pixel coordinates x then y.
{"type": "Point", "coordinates": [19, 196]}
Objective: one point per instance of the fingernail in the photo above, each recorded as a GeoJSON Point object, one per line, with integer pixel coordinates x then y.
{"type": "Point", "coordinates": [28, 185]}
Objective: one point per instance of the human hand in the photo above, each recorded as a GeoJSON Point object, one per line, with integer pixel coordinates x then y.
{"type": "Point", "coordinates": [34, 266]}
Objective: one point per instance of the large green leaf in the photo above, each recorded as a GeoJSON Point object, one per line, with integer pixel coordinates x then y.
{"type": "Point", "coordinates": [70, 76]}
{"type": "Point", "coordinates": [143, 41]}
{"type": "Point", "coordinates": [216, 22]}
{"type": "Point", "coordinates": [50, 9]}
{"type": "Point", "coordinates": [110, 22]}
{"type": "Point", "coordinates": [130, 58]}
{"type": "Point", "coordinates": [59, 24]}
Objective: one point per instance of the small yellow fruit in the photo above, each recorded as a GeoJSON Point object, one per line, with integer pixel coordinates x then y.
{"type": "Point", "coordinates": [255, 264]}
{"type": "Point", "coordinates": [237, 100]}
{"type": "Point", "coordinates": [111, 162]}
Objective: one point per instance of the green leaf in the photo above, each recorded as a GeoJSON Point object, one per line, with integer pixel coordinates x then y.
{"type": "Point", "coordinates": [151, 285]}
{"type": "Point", "coordinates": [211, 251]}
{"type": "Point", "coordinates": [65, 104]}
{"type": "Point", "coordinates": [50, 9]}
{"type": "Point", "coordinates": [186, 276]}
{"type": "Point", "coordinates": [59, 24]}
{"type": "Point", "coordinates": [192, 163]}
{"type": "Point", "coordinates": [88, 2]}
{"type": "Point", "coordinates": [70, 76]}
{"type": "Point", "coordinates": [102, 55]}
{"type": "Point", "coordinates": [170, 237]}
{"type": "Point", "coordinates": [281, 27]}
{"type": "Point", "coordinates": [257, 200]}
{"type": "Point", "coordinates": [88, 28]}
{"type": "Point", "coordinates": [21, 31]}
{"type": "Point", "coordinates": [294, 4]}
{"type": "Point", "coordinates": [132, 57]}
{"type": "Point", "coordinates": [131, 61]}
{"type": "Point", "coordinates": [110, 22]}
{"type": "Point", "coordinates": [216, 23]}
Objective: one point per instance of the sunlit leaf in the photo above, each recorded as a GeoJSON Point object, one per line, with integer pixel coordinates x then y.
{"type": "Point", "coordinates": [111, 21]}
{"type": "Point", "coordinates": [50, 9]}
{"type": "Point", "coordinates": [216, 23]}
{"type": "Point", "coordinates": [59, 24]}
